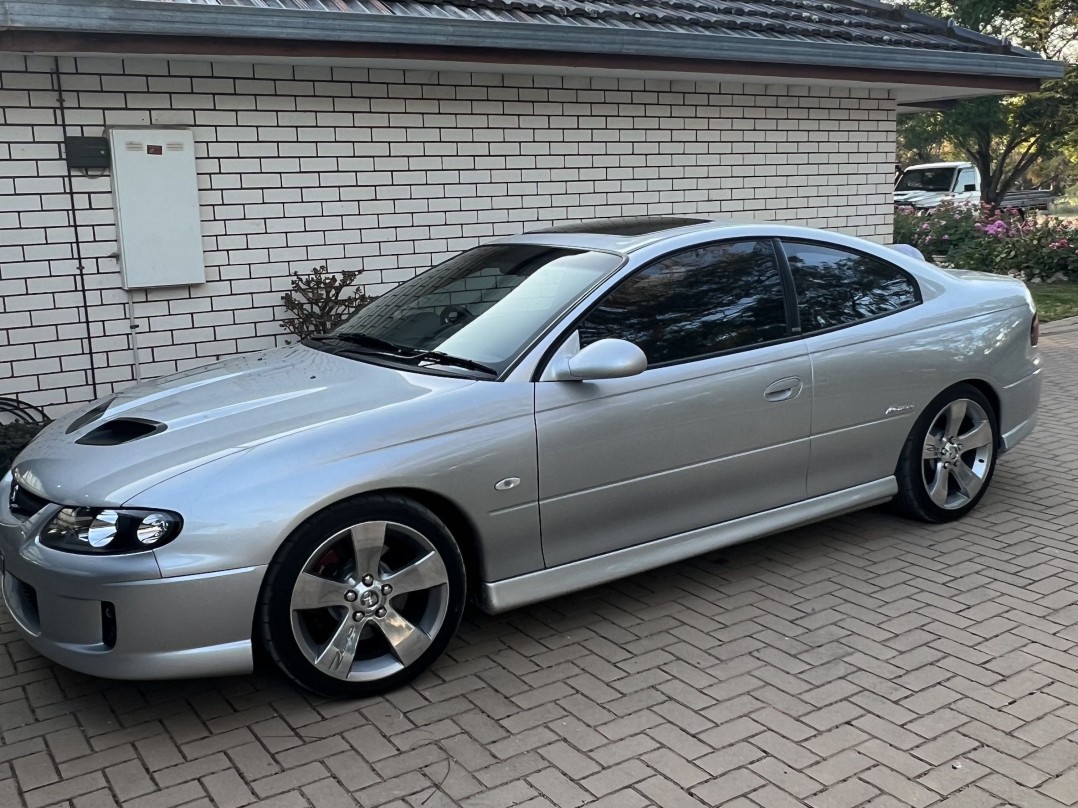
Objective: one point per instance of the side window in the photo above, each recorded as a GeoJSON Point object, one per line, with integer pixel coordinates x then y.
{"type": "Point", "coordinates": [967, 176]}
{"type": "Point", "coordinates": [695, 303]}
{"type": "Point", "coordinates": [835, 287]}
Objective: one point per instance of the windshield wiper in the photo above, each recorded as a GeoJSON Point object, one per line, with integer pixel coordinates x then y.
{"type": "Point", "coordinates": [364, 341]}
{"type": "Point", "coordinates": [405, 353]}
{"type": "Point", "coordinates": [447, 359]}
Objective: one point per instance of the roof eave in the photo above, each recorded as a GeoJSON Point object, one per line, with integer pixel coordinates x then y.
{"type": "Point", "coordinates": [136, 17]}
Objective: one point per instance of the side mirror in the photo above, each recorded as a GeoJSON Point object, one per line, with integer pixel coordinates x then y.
{"type": "Point", "coordinates": [970, 186]}
{"type": "Point", "coordinates": [605, 359]}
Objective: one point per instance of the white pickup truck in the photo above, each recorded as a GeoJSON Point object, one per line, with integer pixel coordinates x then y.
{"type": "Point", "coordinates": [926, 186]}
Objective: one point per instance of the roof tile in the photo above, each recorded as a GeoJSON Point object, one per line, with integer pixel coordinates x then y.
{"type": "Point", "coordinates": [823, 21]}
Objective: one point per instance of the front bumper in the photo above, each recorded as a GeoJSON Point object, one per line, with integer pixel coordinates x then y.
{"type": "Point", "coordinates": [116, 616]}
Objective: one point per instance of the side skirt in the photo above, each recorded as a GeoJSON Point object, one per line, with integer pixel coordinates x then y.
{"type": "Point", "coordinates": [512, 593]}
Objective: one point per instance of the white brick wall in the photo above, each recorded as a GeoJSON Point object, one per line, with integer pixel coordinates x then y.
{"type": "Point", "coordinates": [384, 170]}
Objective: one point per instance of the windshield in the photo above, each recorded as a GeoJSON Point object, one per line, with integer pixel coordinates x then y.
{"type": "Point", "coordinates": [485, 305]}
{"type": "Point", "coordinates": [926, 179]}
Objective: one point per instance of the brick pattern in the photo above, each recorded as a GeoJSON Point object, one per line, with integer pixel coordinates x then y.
{"type": "Point", "coordinates": [862, 661]}
{"type": "Point", "coordinates": [384, 170]}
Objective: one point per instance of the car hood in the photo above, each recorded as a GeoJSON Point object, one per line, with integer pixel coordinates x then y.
{"type": "Point", "coordinates": [102, 456]}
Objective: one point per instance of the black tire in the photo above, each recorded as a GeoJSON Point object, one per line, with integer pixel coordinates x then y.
{"type": "Point", "coordinates": [941, 475]}
{"type": "Point", "coordinates": [343, 648]}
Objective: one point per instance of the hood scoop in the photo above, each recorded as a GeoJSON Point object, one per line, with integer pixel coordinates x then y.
{"type": "Point", "coordinates": [121, 430]}
{"type": "Point", "coordinates": [91, 415]}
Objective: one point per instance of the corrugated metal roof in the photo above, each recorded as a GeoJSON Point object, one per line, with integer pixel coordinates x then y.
{"type": "Point", "coordinates": [804, 21]}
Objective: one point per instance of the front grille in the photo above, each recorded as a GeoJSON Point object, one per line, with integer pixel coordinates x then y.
{"type": "Point", "coordinates": [23, 503]}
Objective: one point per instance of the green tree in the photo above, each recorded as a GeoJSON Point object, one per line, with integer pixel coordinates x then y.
{"type": "Point", "coordinates": [921, 139]}
{"type": "Point", "coordinates": [1006, 137]}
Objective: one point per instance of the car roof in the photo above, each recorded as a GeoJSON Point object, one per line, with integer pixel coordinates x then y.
{"type": "Point", "coordinates": [955, 164]}
{"type": "Point", "coordinates": [688, 235]}
{"type": "Point", "coordinates": [623, 235]}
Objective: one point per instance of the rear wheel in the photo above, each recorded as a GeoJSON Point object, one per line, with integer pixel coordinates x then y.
{"type": "Point", "coordinates": [362, 597]}
{"type": "Point", "coordinates": [950, 456]}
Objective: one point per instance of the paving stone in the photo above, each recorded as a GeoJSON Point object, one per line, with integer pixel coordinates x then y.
{"type": "Point", "coordinates": [675, 767]}
{"type": "Point", "coordinates": [846, 794]}
{"type": "Point", "coordinates": [785, 777]}
{"type": "Point", "coordinates": [293, 778]}
{"type": "Point", "coordinates": [668, 793]}
{"type": "Point", "coordinates": [501, 797]}
{"type": "Point", "coordinates": [951, 777]}
{"type": "Point", "coordinates": [1063, 788]}
{"type": "Point", "coordinates": [616, 777]}
{"type": "Point", "coordinates": [64, 790]}
{"type": "Point", "coordinates": [131, 779]}
{"type": "Point", "coordinates": [35, 770]}
{"type": "Point", "coordinates": [1055, 758]}
{"type": "Point", "coordinates": [514, 768]}
{"type": "Point", "coordinates": [863, 662]}
{"type": "Point", "coordinates": [730, 758]}
{"type": "Point", "coordinates": [329, 794]}
{"type": "Point", "coordinates": [730, 785]}
{"type": "Point", "coordinates": [1016, 770]}
{"type": "Point", "coordinates": [908, 792]}
{"type": "Point", "coordinates": [558, 788]}
{"type": "Point", "coordinates": [227, 789]}
{"type": "Point", "coordinates": [839, 767]}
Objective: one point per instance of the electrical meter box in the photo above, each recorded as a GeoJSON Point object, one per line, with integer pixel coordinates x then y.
{"type": "Point", "coordinates": [155, 190]}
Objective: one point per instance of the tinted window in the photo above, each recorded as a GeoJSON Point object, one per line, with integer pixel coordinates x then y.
{"type": "Point", "coordinates": [835, 287]}
{"type": "Point", "coordinates": [695, 303]}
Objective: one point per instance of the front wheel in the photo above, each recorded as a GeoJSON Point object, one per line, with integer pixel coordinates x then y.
{"type": "Point", "coordinates": [949, 457]}
{"type": "Point", "coordinates": [362, 597]}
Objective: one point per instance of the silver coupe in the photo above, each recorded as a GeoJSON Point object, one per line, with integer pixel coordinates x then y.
{"type": "Point", "coordinates": [534, 416]}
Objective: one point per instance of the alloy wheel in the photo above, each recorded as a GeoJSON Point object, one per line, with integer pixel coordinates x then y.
{"type": "Point", "coordinates": [956, 458]}
{"type": "Point", "coordinates": [369, 601]}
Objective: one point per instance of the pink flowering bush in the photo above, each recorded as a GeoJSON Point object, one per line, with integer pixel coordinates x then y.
{"type": "Point", "coordinates": [947, 228]}
{"type": "Point", "coordinates": [1002, 241]}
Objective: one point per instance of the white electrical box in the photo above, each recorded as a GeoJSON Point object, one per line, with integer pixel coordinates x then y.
{"type": "Point", "coordinates": [155, 191]}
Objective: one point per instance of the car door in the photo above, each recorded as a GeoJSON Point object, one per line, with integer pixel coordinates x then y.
{"type": "Point", "coordinates": [856, 313]}
{"type": "Point", "coordinates": [717, 427]}
{"type": "Point", "coordinates": [967, 177]}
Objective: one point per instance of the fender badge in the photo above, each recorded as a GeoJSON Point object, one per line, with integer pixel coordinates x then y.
{"type": "Point", "coordinates": [507, 483]}
{"type": "Point", "coordinates": [898, 408]}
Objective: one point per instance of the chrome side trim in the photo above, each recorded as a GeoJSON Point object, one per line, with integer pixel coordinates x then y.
{"type": "Point", "coordinates": [512, 593]}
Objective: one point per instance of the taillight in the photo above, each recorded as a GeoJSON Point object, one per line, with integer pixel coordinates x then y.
{"type": "Point", "coordinates": [1035, 330]}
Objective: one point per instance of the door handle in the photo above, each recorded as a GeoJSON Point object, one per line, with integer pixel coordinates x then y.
{"type": "Point", "coordinates": [783, 389]}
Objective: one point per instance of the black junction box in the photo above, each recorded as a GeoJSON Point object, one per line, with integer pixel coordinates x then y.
{"type": "Point", "coordinates": [87, 152]}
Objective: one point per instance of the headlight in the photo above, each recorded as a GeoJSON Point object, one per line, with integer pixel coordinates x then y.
{"type": "Point", "coordinates": [98, 531]}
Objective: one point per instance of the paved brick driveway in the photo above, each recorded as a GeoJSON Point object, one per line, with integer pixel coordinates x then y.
{"type": "Point", "coordinates": [865, 661]}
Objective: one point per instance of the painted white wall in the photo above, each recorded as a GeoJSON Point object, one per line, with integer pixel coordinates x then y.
{"type": "Point", "coordinates": [385, 170]}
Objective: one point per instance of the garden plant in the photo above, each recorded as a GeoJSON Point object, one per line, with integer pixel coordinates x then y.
{"type": "Point", "coordinates": [1038, 249]}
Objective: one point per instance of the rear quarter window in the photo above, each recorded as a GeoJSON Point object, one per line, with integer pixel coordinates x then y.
{"type": "Point", "coordinates": [837, 287]}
